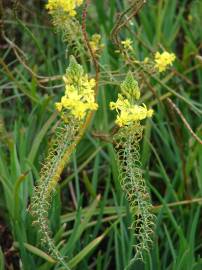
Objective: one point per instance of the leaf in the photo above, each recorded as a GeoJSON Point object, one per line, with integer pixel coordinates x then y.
{"type": "Point", "coordinates": [80, 226]}
{"type": "Point", "coordinates": [2, 262]}
{"type": "Point", "coordinates": [39, 138]}
{"type": "Point", "coordinates": [80, 256]}
{"type": "Point", "coordinates": [36, 251]}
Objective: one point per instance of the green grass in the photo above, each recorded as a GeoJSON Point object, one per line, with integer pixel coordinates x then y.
{"type": "Point", "coordinates": [89, 215]}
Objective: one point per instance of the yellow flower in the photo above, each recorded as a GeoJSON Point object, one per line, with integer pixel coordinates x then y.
{"type": "Point", "coordinates": [127, 110]}
{"type": "Point", "coordinates": [146, 60]}
{"type": "Point", "coordinates": [66, 102]}
{"type": "Point", "coordinates": [79, 94]}
{"type": "Point", "coordinates": [122, 119]}
{"type": "Point", "coordinates": [127, 44]}
{"type": "Point", "coordinates": [150, 113]}
{"type": "Point", "coordinates": [74, 96]}
{"type": "Point", "coordinates": [120, 103]}
{"type": "Point", "coordinates": [68, 6]}
{"type": "Point", "coordinates": [92, 106]}
{"type": "Point", "coordinates": [96, 44]}
{"type": "Point", "coordinates": [58, 106]}
{"type": "Point", "coordinates": [79, 2]}
{"type": "Point", "coordinates": [79, 110]}
{"type": "Point", "coordinates": [163, 60]}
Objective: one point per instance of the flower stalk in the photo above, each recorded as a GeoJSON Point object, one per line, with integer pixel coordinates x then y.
{"type": "Point", "coordinates": [127, 148]}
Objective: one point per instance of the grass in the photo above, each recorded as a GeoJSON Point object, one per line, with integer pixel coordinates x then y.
{"type": "Point", "coordinates": [32, 61]}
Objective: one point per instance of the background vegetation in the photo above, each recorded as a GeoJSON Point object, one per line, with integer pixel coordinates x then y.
{"type": "Point", "coordinates": [89, 215]}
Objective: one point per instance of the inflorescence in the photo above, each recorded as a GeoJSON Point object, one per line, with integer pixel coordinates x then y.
{"type": "Point", "coordinates": [79, 94]}
{"type": "Point", "coordinates": [163, 60]}
{"type": "Point", "coordinates": [126, 107]}
{"type": "Point", "coordinates": [68, 6]}
{"type": "Point", "coordinates": [127, 148]}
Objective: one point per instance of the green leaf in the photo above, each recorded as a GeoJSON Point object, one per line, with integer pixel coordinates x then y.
{"type": "Point", "coordinates": [36, 251]}
{"type": "Point", "coordinates": [39, 138]}
{"type": "Point", "coordinates": [2, 261]}
{"type": "Point", "coordinates": [80, 226]}
{"type": "Point", "coordinates": [82, 254]}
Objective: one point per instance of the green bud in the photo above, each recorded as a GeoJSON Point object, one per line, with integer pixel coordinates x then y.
{"type": "Point", "coordinates": [129, 87]}
{"type": "Point", "coordinates": [74, 70]}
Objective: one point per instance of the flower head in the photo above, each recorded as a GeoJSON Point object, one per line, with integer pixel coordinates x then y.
{"type": "Point", "coordinates": [163, 60]}
{"type": "Point", "coordinates": [68, 6]}
{"type": "Point", "coordinates": [96, 43]}
{"type": "Point", "coordinates": [79, 94]}
{"type": "Point", "coordinates": [128, 111]}
{"type": "Point", "coordinates": [127, 44]}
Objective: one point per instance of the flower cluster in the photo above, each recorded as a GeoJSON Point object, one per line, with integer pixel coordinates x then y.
{"type": "Point", "coordinates": [96, 44]}
{"type": "Point", "coordinates": [127, 44]}
{"type": "Point", "coordinates": [68, 6]}
{"type": "Point", "coordinates": [79, 94]}
{"type": "Point", "coordinates": [163, 60]}
{"type": "Point", "coordinates": [126, 107]}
